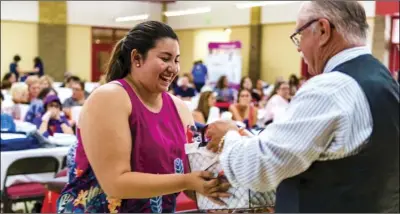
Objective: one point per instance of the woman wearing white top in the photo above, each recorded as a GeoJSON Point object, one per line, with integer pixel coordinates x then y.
{"type": "Point", "coordinates": [277, 103]}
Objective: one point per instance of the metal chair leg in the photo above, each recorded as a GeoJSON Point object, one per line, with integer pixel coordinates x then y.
{"type": "Point", "coordinates": [26, 207]}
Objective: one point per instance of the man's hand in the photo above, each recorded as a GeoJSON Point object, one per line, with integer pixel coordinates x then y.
{"type": "Point", "coordinates": [217, 130]}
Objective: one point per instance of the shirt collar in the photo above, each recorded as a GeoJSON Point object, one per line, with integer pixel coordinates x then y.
{"type": "Point", "coordinates": [344, 56]}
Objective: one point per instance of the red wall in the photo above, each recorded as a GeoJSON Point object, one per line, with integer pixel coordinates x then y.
{"type": "Point", "coordinates": [387, 7]}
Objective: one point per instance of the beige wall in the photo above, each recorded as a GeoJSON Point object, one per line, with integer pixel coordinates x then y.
{"type": "Point", "coordinates": [279, 56]}
{"type": "Point", "coordinates": [18, 38]}
{"type": "Point", "coordinates": [79, 51]}
{"type": "Point", "coordinates": [186, 43]}
{"type": "Point", "coordinates": [242, 34]}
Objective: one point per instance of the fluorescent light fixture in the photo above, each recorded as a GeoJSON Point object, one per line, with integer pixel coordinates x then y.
{"type": "Point", "coordinates": [132, 18]}
{"type": "Point", "coordinates": [260, 3]}
{"type": "Point", "coordinates": [188, 11]}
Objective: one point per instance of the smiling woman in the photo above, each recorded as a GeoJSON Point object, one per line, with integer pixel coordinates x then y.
{"type": "Point", "coordinates": [130, 156]}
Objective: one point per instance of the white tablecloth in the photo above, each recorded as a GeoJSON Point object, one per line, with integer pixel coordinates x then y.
{"type": "Point", "coordinates": [7, 158]}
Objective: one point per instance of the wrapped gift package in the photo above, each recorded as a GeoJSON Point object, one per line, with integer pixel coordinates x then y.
{"type": "Point", "coordinates": [241, 199]}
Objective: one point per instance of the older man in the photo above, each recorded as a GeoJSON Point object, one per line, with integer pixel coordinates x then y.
{"type": "Point", "coordinates": [337, 147]}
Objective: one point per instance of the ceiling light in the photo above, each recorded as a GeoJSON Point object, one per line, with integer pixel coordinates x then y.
{"type": "Point", "coordinates": [260, 4]}
{"type": "Point", "coordinates": [132, 18]}
{"type": "Point", "coordinates": [188, 11]}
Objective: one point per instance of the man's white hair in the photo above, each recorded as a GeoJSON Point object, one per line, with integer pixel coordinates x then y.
{"type": "Point", "coordinates": [348, 17]}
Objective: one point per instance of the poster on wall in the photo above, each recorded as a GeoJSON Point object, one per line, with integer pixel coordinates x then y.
{"type": "Point", "coordinates": [224, 58]}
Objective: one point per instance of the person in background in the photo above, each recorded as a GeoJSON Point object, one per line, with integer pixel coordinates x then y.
{"type": "Point", "coordinates": [67, 75]}
{"type": "Point", "coordinates": [46, 82]}
{"type": "Point", "coordinates": [38, 68]}
{"type": "Point", "coordinates": [8, 80]}
{"type": "Point", "coordinates": [77, 99]}
{"type": "Point", "coordinates": [244, 110]}
{"type": "Point", "coordinates": [224, 93]}
{"type": "Point", "coordinates": [277, 103]}
{"type": "Point", "coordinates": [199, 73]}
{"type": "Point", "coordinates": [173, 86]}
{"type": "Point", "coordinates": [302, 80]}
{"type": "Point", "coordinates": [33, 87]}
{"type": "Point", "coordinates": [245, 83]}
{"type": "Point", "coordinates": [206, 101]}
{"type": "Point", "coordinates": [259, 90]}
{"type": "Point", "coordinates": [36, 108]}
{"type": "Point", "coordinates": [14, 67]}
{"type": "Point", "coordinates": [141, 167]}
{"type": "Point", "coordinates": [71, 80]}
{"type": "Point", "coordinates": [294, 84]}
{"type": "Point", "coordinates": [19, 95]}
{"type": "Point", "coordinates": [185, 91]}
{"type": "Point", "coordinates": [52, 120]}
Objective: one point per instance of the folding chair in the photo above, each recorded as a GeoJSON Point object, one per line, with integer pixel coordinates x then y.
{"type": "Point", "coordinates": [24, 192]}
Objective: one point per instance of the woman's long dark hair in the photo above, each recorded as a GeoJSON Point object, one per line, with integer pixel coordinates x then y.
{"type": "Point", "coordinates": [203, 106]}
{"type": "Point", "coordinates": [220, 82]}
{"type": "Point", "coordinates": [142, 38]}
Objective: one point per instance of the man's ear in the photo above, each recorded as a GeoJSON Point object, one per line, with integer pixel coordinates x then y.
{"type": "Point", "coordinates": [325, 31]}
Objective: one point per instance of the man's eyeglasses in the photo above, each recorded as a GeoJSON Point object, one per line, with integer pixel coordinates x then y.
{"type": "Point", "coordinates": [296, 36]}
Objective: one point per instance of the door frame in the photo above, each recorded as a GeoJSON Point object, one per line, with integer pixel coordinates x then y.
{"type": "Point", "coordinates": [394, 48]}
{"type": "Point", "coordinates": [96, 49]}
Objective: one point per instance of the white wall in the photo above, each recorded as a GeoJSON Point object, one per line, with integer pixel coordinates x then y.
{"type": "Point", "coordinates": [288, 12]}
{"type": "Point", "coordinates": [27, 11]}
{"type": "Point", "coordinates": [103, 13]}
{"type": "Point", "coordinates": [223, 14]}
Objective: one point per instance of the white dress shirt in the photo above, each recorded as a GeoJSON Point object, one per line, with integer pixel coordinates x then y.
{"type": "Point", "coordinates": [328, 118]}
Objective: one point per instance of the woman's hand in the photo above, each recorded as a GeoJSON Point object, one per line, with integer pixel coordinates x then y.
{"type": "Point", "coordinates": [207, 184]}
{"type": "Point", "coordinates": [46, 117]}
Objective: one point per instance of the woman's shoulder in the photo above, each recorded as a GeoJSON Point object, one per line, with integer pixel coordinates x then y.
{"type": "Point", "coordinates": [106, 96]}
{"type": "Point", "coordinates": [183, 110]}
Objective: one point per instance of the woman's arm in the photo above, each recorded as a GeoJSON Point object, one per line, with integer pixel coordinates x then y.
{"type": "Point", "coordinates": [66, 129]}
{"type": "Point", "coordinates": [106, 138]}
{"type": "Point", "coordinates": [198, 117]}
{"type": "Point", "coordinates": [43, 126]}
{"type": "Point", "coordinates": [255, 116]}
{"type": "Point", "coordinates": [235, 114]}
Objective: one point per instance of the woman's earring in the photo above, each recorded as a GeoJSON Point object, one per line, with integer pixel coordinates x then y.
{"type": "Point", "coordinates": [137, 65]}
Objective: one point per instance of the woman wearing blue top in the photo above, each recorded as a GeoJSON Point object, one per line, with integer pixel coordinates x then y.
{"type": "Point", "coordinates": [14, 69]}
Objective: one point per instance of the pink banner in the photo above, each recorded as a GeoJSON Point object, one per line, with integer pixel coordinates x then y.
{"type": "Point", "coordinates": [225, 45]}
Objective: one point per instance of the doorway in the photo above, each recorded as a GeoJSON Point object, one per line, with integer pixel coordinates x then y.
{"type": "Point", "coordinates": [103, 41]}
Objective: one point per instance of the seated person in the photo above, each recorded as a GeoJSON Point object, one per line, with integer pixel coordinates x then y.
{"type": "Point", "coordinates": [243, 110]}
{"type": "Point", "coordinates": [77, 99]}
{"type": "Point", "coordinates": [33, 83]}
{"type": "Point", "coordinates": [278, 102]}
{"type": "Point", "coordinates": [184, 91]}
{"type": "Point", "coordinates": [206, 101]}
{"type": "Point", "coordinates": [246, 83]}
{"type": "Point", "coordinates": [224, 93]}
{"type": "Point", "coordinates": [53, 120]}
{"type": "Point", "coordinates": [19, 95]}
{"type": "Point", "coordinates": [8, 80]}
{"type": "Point", "coordinates": [36, 108]}
{"type": "Point", "coordinates": [46, 82]}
